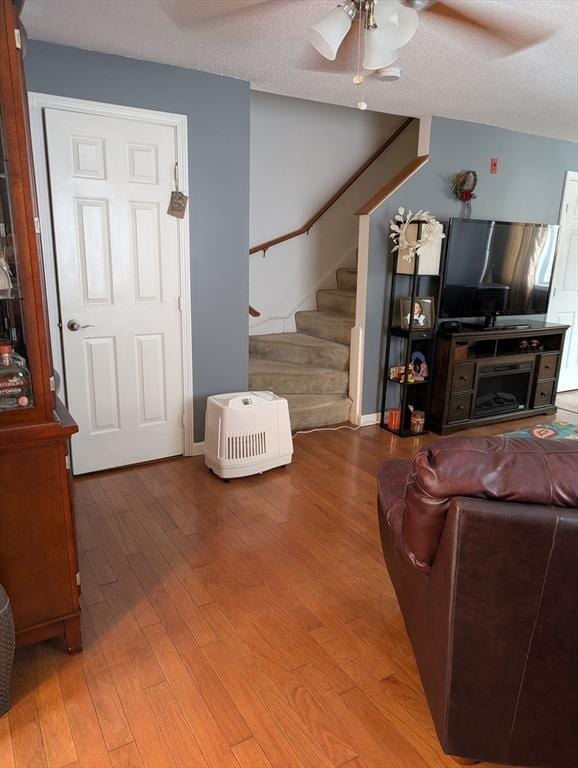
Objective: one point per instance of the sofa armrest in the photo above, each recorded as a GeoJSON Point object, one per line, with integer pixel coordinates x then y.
{"type": "Point", "coordinates": [499, 469]}
{"type": "Point", "coordinates": [392, 478]}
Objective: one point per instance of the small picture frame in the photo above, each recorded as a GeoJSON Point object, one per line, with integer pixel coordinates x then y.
{"type": "Point", "coordinates": [422, 316]}
{"type": "Point", "coordinates": [419, 366]}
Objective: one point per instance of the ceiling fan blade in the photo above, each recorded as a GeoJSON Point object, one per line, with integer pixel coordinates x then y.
{"type": "Point", "coordinates": [187, 14]}
{"type": "Point", "coordinates": [512, 38]}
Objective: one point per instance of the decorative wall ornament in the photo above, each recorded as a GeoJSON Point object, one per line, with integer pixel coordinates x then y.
{"type": "Point", "coordinates": [462, 185]}
{"type": "Point", "coordinates": [431, 232]}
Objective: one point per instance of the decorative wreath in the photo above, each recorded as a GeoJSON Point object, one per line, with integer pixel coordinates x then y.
{"type": "Point", "coordinates": [463, 184]}
{"type": "Point", "coordinates": [431, 232]}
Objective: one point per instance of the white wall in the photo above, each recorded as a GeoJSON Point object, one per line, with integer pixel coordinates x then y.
{"type": "Point", "coordinates": [301, 153]}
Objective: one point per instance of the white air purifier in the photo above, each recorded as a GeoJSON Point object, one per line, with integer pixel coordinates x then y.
{"type": "Point", "coordinates": [247, 433]}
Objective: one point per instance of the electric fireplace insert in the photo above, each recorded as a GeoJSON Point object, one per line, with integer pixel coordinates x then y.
{"type": "Point", "coordinates": [502, 389]}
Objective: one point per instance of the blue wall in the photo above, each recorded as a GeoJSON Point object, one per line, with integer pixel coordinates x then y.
{"type": "Point", "coordinates": [528, 187]}
{"type": "Point", "coordinates": [217, 109]}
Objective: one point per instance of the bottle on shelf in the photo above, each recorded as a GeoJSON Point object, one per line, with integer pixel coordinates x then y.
{"type": "Point", "coordinates": [15, 383]}
{"type": "Point", "coordinates": [5, 278]}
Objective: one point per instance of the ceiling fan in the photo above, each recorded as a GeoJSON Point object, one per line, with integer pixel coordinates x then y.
{"type": "Point", "coordinates": [384, 27]}
{"type": "Point", "coordinates": [394, 21]}
{"type": "Point", "coordinates": [389, 25]}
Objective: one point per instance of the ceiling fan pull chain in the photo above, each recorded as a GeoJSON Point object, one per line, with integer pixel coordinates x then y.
{"type": "Point", "coordinates": [359, 78]}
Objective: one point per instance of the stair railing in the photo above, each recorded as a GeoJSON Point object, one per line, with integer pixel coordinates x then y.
{"type": "Point", "coordinates": [264, 247]}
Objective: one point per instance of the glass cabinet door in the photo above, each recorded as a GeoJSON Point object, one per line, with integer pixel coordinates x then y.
{"type": "Point", "coordinates": [16, 392]}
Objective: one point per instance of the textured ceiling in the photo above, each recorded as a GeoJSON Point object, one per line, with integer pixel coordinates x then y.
{"type": "Point", "coordinates": [446, 71]}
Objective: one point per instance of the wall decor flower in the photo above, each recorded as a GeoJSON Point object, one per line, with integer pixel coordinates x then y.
{"type": "Point", "coordinates": [431, 232]}
{"type": "Point", "coordinates": [462, 185]}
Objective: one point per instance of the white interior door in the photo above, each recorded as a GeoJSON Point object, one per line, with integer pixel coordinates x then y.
{"type": "Point", "coordinates": [117, 256]}
{"type": "Point", "coordinates": [563, 307]}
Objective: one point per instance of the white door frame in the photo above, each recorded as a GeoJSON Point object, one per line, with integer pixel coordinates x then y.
{"type": "Point", "coordinates": [568, 177]}
{"type": "Point", "coordinates": [37, 103]}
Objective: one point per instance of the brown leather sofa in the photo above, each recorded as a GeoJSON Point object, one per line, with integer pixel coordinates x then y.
{"type": "Point", "coordinates": [480, 537]}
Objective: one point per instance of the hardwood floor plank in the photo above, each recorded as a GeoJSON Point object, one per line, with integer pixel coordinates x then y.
{"type": "Point", "coordinates": [220, 703]}
{"type": "Point", "coordinates": [109, 711]}
{"type": "Point", "coordinates": [222, 707]}
{"type": "Point", "coordinates": [270, 737]}
{"type": "Point", "coordinates": [82, 493]}
{"type": "Point", "coordinates": [143, 725]}
{"type": "Point", "coordinates": [170, 582]}
{"type": "Point", "coordinates": [395, 750]}
{"type": "Point", "coordinates": [86, 536]}
{"type": "Point", "coordinates": [25, 729]}
{"type": "Point", "coordinates": [179, 514]}
{"type": "Point", "coordinates": [184, 748]}
{"type": "Point", "coordinates": [6, 750]}
{"type": "Point", "coordinates": [234, 653]}
{"type": "Point", "coordinates": [85, 728]}
{"type": "Point", "coordinates": [126, 756]}
{"type": "Point", "coordinates": [56, 734]}
{"type": "Point", "coordinates": [91, 590]}
{"type": "Point", "coordinates": [204, 728]}
{"type": "Point", "coordinates": [131, 634]}
{"type": "Point", "coordinates": [250, 755]}
{"type": "Point", "coordinates": [191, 548]}
{"type": "Point", "coordinates": [148, 502]}
{"type": "Point", "coordinates": [110, 508]}
{"type": "Point", "coordinates": [109, 541]}
{"type": "Point", "coordinates": [101, 566]}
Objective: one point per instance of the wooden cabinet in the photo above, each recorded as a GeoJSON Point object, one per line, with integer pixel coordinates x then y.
{"type": "Point", "coordinates": [38, 555]}
{"type": "Point", "coordinates": [482, 377]}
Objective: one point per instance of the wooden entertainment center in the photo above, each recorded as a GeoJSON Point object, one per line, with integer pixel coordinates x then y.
{"type": "Point", "coordinates": [487, 376]}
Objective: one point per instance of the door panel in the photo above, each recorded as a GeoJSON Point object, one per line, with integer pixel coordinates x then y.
{"type": "Point", "coordinates": [102, 379]}
{"type": "Point", "coordinates": [117, 254]}
{"type": "Point", "coordinates": [145, 246]}
{"type": "Point", "coordinates": [563, 306]}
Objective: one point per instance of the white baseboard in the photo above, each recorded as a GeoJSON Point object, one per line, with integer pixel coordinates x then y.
{"type": "Point", "coordinates": [198, 449]}
{"type": "Point", "coordinates": [370, 418]}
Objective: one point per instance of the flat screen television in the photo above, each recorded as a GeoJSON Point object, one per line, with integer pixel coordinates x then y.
{"type": "Point", "coordinates": [497, 268]}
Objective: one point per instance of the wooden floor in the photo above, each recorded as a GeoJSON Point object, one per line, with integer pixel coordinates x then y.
{"type": "Point", "coordinates": [245, 624]}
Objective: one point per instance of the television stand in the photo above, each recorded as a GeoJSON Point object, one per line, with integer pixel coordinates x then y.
{"type": "Point", "coordinates": [485, 376]}
{"type": "Point", "coordinates": [521, 327]}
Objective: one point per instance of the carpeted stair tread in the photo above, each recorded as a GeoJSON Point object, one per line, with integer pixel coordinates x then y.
{"type": "Point", "coordinates": [301, 349]}
{"type": "Point", "coordinates": [336, 300]}
{"type": "Point", "coordinates": [347, 279]}
{"type": "Point", "coordinates": [325, 325]}
{"type": "Point", "coordinates": [311, 411]}
{"type": "Point", "coordinates": [291, 378]}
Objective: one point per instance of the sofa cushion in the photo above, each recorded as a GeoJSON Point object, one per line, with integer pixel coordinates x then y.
{"type": "Point", "coordinates": [500, 468]}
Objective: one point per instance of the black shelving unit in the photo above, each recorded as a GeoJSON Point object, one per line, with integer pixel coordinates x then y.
{"type": "Point", "coordinates": [409, 393]}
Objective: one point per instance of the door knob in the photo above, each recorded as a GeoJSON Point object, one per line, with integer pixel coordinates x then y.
{"type": "Point", "coordinates": [74, 325]}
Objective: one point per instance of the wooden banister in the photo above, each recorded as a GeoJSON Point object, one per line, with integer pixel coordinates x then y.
{"type": "Point", "coordinates": [392, 185]}
{"type": "Point", "coordinates": [341, 191]}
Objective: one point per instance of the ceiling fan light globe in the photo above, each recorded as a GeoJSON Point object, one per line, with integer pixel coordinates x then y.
{"type": "Point", "coordinates": [385, 9]}
{"type": "Point", "coordinates": [327, 35]}
{"type": "Point", "coordinates": [389, 74]}
{"type": "Point", "coordinates": [375, 53]}
{"type": "Point", "coordinates": [397, 29]}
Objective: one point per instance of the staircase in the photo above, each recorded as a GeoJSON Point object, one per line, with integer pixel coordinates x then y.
{"type": "Point", "coordinates": [311, 367]}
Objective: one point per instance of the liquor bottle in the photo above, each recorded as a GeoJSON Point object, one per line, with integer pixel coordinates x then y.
{"type": "Point", "coordinates": [15, 385]}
